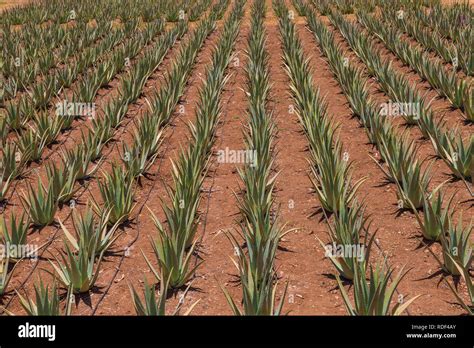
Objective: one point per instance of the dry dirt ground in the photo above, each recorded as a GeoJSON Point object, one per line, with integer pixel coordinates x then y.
{"type": "Point", "coordinates": [300, 260]}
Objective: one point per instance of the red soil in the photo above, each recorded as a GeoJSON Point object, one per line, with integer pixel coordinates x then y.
{"type": "Point", "coordinates": [300, 260]}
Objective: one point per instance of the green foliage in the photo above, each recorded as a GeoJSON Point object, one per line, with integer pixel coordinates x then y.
{"type": "Point", "coordinates": [91, 233]}
{"type": "Point", "coordinates": [15, 233]}
{"type": "Point", "coordinates": [77, 271]}
{"type": "Point", "coordinates": [47, 301]}
{"type": "Point", "coordinates": [436, 219]}
{"type": "Point", "coordinates": [154, 307]}
{"type": "Point", "coordinates": [374, 296]}
{"type": "Point", "coordinates": [40, 203]}
{"type": "Point", "coordinates": [457, 248]}
{"type": "Point", "coordinates": [116, 190]}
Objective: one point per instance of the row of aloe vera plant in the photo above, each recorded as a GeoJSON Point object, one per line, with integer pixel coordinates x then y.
{"type": "Point", "coordinates": [16, 155]}
{"type": "Point", "coordinates": [58, 12]}
{"type": "Point", "coordinates": [79, 269]}
{"type": "Point", "coordinates": [18, 111]}
{"type": "Point", "coordinates": [259, 226]}
{"type": "Point", "coordinates": [42, 203]}
{"type": "Point", "coordinates": [139, 157]}
{"type": "Point", "coordinates": [23, 63]}
{"type": "Point", "coordinates": [400, 155]}
{"type": "Point", "coordinates": [175, 246]}
{"type": "Point", "coordinates": [29, 55]}
{"type": "Point", "coordinates": [452, 23]}
{"type": "Point", "coordinates": [331, 176]}
{"type": "Point", "coordinates": [32, 144]}
{"type": "Point", "coordinates": [96, 228]}
{"type": "Point", "coordinates": [24, 51]}
{"type": "Point", "coordinates": [450, 146]}
{"type": "Point", "coordinates": [458, 91]}
{"type": "Point", "coordinates": [41, 94]}
{"type": "Point", "coordinates": [162, 106]}
{"type": "Point", "coordinates": [430, 41]}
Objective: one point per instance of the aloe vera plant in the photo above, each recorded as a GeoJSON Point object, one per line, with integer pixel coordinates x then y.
{"type": "Point", "coordinates": [458, 156]}
{"type": "Point", "coordinates": [436, 219]}
{"type": "Point", "coordinates": [31, 145]}
{"type": "Point", "coordinates": [11, 162]}
{"type": "Point", "coordinates": [40, 204]}
{"type": "Point", "coordinates": [464, 272]}
{"type": "Point", "coordinates": [47, 301]}
{"type": "Point", "coordinates": [5, 273]}
{"type": "Point", "coordinates": [257, 273]}
{"type": "Point", "coordinates": [457, 248]}
{"type": "Point", "coordinates": [345, 232]}
{"type": "Point", "coordinates": [186, 196]}
{"type": "Point", "coordinates": [15, 233]}
{"type": "Point", "coordinates": [147, 134]}
{"type": "Point", "coordinates": [95, 140]}
{"type": "Point", "coordinates": [137, 160]}
{"type": "Point", "coordinates": [78, 271]}
{"type": "Point", "coordinates": [87, 88]}
{"type": "Point", "coordinates": [91, 233]}
{"type": "Point", "coordinates": [67, 75]}
{"type": "Point", "coordinates": [61, 181]}
{"type": "Point", "coordinates": [13, 117]}
{"type": "Point", "coordinates": [47, 127]}
{"type": "Point", "coordinates": [147, 138]}
{"type": "Point", "coordinates": [4, 186]}
{"type": "Point", "coordinates": [398, 152]}
{"type": "Point", "coordinates": [173, 257]}
{"type": "Point", "coordinates": [258, 300]}
{"type": "Point", "coordinates": [413, 185]}
{"type": "Point", "coordinates": [374, 296]}
{"type": "Point", "coordinates": [42, 93]}
{"type": "Point", "coordinates": [332, 182]}
{"type": "Point", "coordinates": [116, 190]}
{"type": "Point", "coordinates": [153, 307]}
{"type": "Point", "coordinates": [77, 164]}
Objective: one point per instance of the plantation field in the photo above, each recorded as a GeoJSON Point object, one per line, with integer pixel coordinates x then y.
{"type": "Point", "coordinates": [220, 157]}
{"type": "Point", "coordinates": [8, 4]}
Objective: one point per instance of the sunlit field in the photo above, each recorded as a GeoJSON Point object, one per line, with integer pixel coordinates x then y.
{"type": "Point", "coordinates": [236, 157]}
